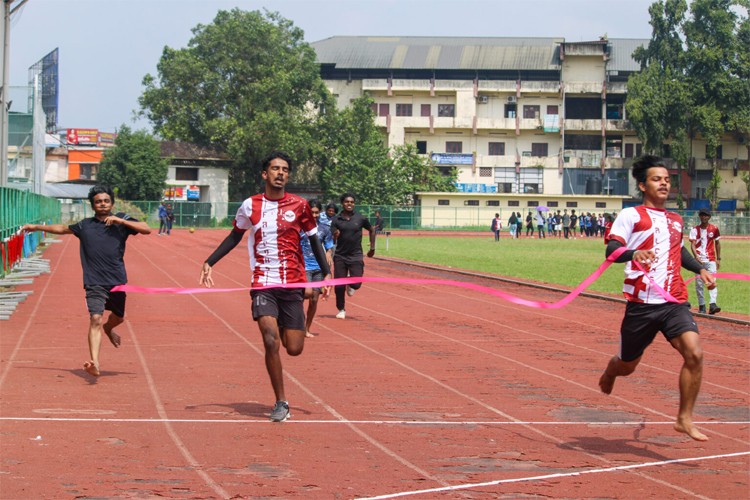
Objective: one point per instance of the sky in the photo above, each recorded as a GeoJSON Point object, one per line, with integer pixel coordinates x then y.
{"type": "Point", "coordinates": [106, 47]}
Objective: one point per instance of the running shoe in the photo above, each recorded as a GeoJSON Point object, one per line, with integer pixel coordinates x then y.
{"type": "Point", "coordinates": [350, 291]}
{"type": "Point", "coordinates": [341, 314]}
{"type": "Point", "coordinates": [702, 309]}
{"type": "Point", "coordinates": [713, 309]}
{"type": "Point", "coordinates": [280, 411]}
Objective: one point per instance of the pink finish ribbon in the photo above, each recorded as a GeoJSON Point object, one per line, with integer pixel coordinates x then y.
{"type": "Point", "coordinates": [469, 286]}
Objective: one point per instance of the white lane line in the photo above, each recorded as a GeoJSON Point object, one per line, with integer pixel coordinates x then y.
{"type": "Point", "coordinates": [343, 421]}
{"type": "Point", "coordinates": [554, 476]}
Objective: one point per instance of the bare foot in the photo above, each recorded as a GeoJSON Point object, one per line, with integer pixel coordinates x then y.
{"type": "Point", "coordinates": [113, 337]}
{"type": "Point", "coordinates": [606, 383]}
{"type": "Point", "coordinates": [691, 430]}
{"type": "Point", "coordinates": [91, 368]}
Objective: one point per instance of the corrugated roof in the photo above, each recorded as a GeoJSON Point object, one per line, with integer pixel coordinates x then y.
{"type": "Point", "coordinates": [621, 53]}
{"type": "Point", "coordinates": [447, 53]}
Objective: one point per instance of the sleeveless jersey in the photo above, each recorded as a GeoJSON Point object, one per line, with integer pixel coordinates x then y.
{"type": "Point", "coordinates": [643, 228]}
{"type": "Point", "coordinates": [273, 245]}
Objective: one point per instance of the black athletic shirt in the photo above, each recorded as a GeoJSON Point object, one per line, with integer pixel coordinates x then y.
{"type": "Point", "coordinates": [349, 242]}
{"type": "Point", "coordinates": [102, 250]}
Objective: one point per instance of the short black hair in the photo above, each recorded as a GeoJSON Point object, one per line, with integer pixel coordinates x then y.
{"type": "Point", "coordinates": [99, 190]}
{"type": "Point", "coordinates": [272, 156]}
{"type": "Point", "coordinates": [348, 195]}
{"type": "Point", "coordinates": [333, 206]}
{"type": "Point", "coordinates": [641, 166]}
{"type": "Point", "coordinates": [315, 203]}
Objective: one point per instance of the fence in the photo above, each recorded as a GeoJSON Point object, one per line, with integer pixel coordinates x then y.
{"type": "Point", "coordinates": [17, 208]}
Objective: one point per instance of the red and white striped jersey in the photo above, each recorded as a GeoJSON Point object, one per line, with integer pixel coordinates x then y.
{"type": "Point", "coordinates": [273, 244]}
{"type": "Point", "coordinates": [643, 228]}
{"type": "Point", "coordinates": [704, 242]}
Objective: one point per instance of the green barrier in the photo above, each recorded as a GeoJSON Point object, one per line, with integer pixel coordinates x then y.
{"type": "Point", "coordinates": [18, 207]}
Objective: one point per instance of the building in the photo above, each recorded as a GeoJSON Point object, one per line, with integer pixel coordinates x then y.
{"type": "Point", "coordinates": [514, 116]}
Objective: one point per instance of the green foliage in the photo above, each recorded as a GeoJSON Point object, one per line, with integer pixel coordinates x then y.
{"type": "Point", "coordinates": [696, 75]}
{"type": "Point", "coordinates": [746, 180]}
{"type": "Point", "coordinates": [134, 167]}
{"type": "Point", "coordinates": [364, 166]}
{"type": "Point", "coordinates": [247, 84]}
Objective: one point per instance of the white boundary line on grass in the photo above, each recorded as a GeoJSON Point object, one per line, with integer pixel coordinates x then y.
{"type": "Point", "coordinates": [554, 476]}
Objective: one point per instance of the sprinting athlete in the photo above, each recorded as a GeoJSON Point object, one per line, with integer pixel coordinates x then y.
{"type": "Point", "coordinates": [653, 238]}
{"type": "Point", "coordinates": [275, 219]}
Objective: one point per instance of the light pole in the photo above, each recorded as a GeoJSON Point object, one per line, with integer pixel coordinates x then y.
{"type": "Point", "coordinates": [4, 87]}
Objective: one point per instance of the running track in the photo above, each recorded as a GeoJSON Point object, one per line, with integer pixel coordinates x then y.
{"type": "Point", "coordinates": [422, 392]}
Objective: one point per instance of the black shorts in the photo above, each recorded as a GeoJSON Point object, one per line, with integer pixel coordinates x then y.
{"type": "Point", "coordinates": [281, 303]}
{"type": "Point", "coordinates": [99, 298]}
{"type": "Point", "coordinates": [314, 275]}
{"type": "Point", "coordinates": [643, 321]}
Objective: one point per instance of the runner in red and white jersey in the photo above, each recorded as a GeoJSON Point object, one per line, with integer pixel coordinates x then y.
{"type": "Point", "coordinates": [646, 228]}
{"type": "Point", "coordinates": [706, 247]}
{"type": "Point", "coordinates": [274, 241]}
{"type": "Point", "coordinates": [652, 237]}
{"type": "Point", "coordinates": [275, 219]}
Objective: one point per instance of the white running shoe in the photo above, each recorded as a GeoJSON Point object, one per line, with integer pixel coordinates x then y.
{"type": "Point", "coordinates": [341, 314]}
{"type": "Point", "coordinates": [350, 291]}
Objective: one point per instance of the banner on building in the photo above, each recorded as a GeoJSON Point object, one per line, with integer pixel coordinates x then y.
{"type": "Point", "coordinates": [87, 136]}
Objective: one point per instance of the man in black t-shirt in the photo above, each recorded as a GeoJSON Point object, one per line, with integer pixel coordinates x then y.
{"type": "Point", "coordinates": [348, 260]}
{"type": "Point", "coordinates": [102, 245]}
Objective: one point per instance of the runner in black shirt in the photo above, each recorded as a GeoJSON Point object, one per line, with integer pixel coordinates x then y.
{"type": "Point", "coordinates": [102, 242]}
{"type": "Point", "coordinates": [348, 259]}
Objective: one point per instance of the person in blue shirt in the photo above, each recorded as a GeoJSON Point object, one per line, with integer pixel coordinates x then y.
{"type": "Point", "coordinates": [312, 269]}
{"type": "Point", "coordinates": [163, 218]}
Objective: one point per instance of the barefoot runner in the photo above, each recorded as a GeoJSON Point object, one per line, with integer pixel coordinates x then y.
{"type": "Point", "coordinates": [653, 238]}
{"type": "Point", "coordinates": [102, 242]}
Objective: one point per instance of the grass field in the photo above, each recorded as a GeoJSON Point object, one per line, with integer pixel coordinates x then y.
{"type": "Point", "coordinates": [557, 261]}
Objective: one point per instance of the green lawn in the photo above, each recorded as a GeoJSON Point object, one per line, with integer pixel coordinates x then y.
{"type": "Point", "coordinates": [556, 261]}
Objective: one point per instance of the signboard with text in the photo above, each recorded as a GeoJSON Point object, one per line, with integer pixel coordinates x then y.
{"type": "Point", "coordinates": [452, 158]}
{"type": "Point", "coordinates": [88, 136]}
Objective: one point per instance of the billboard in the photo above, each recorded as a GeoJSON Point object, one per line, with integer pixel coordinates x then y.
{"type": "Point", "coordinates": [85, 136]}
{"type": "Point", "coordinates": [45, 71]}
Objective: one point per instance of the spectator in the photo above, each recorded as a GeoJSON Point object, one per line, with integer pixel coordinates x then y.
{"type": "Point", "coordinates": [495, 226]}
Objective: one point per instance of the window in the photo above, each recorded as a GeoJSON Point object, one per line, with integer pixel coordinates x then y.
{"type": "Point", "coordinates": [531, 188]}
{"type": "Point", "coordinates": [454, 146]}
{"type": "Point", "coordinates": [471, 203]}
{"type": "Point", "coordinates": [601, 204]}
{"type": "Point", "coordinates": [446, 110]}
{"type": "Point", "coordinates": [629, 150]}
{"type": "Point", "coordinates": [403, 109]}
{"type": "Point", "coordinates": [571, 204]}
{"type": "Point", "coordinates": [505, 187]}
{"type": "Point", "coordinates": [493, 203]}
{"type": "Point", "coordinates": [88, 171]}
{"type": "Point", "coordinates": [552, 109]}
{"type": "Point", "coordinates": [374, 107]}
{"type": "Point", "coordinates": [426, 110]}
{"type": "Point", "coordinates": [383, 110]}
{"type": "Point", "coordinates": [510, 111]}
{"type": "Point", "coordinates": [186, 174]}
{"type": "Point", "coordinates": [531, 111]}
{"type": "Point", "coordinates": [444, 202]}
{"type": "Point", "coordinates": [485, 171]}
{"type": "Point", "coordinates": [513, 203]}
{"type": "Point", "coordinates": [552, 204]}
{"type": "Point", "coordinates": [538, 149]}
{"type": "Point", "coordinates": [496, 149]}
{"type": "Point", "coordinates": [532, 203]}
{"type": "Point", "coordinates": [421, 147]}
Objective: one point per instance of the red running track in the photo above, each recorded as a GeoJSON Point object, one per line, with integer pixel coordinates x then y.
{"type": "Point", "coordinates": [422, 392]}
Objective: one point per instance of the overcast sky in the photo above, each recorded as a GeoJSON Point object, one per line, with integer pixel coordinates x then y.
{"type": "Point", "coordinates": [107, 46]}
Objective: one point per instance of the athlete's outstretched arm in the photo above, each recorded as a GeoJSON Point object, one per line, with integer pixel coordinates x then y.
{"type": "Point", "coordinates": [226, 246]}
{"type": "Point", "coordinates": [320, 257]}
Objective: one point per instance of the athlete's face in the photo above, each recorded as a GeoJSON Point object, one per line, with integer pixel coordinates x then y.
{"type": "Point", "coordinates": [316, 212]}
{"type": "Point", "coordinates": [348, 204]}
{"type": "Point", "coordinates": [657, 185]}
{"type": "Point", "coordinates": [102, 204]}
{"type": "Point", "coordinates": [277, 173]}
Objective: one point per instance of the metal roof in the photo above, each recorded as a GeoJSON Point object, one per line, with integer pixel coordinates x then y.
{"type": "Point", "coordinates": [448, 53]}
{"type": "Point", "coordinates": [621, 53]}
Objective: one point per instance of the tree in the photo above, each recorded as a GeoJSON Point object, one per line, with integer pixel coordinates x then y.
{"type": "Point", "coordinates": [695, 78]}
{"type": "Point", "coordinates": [134, 166]}
{"type": "Point", "coordinates": [247, 84]}
{"type": "Point", "coordinates": [364, 165]}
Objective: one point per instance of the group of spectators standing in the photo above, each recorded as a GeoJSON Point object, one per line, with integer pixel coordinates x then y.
{"type": "Point", "coordinates": [555, 224]}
